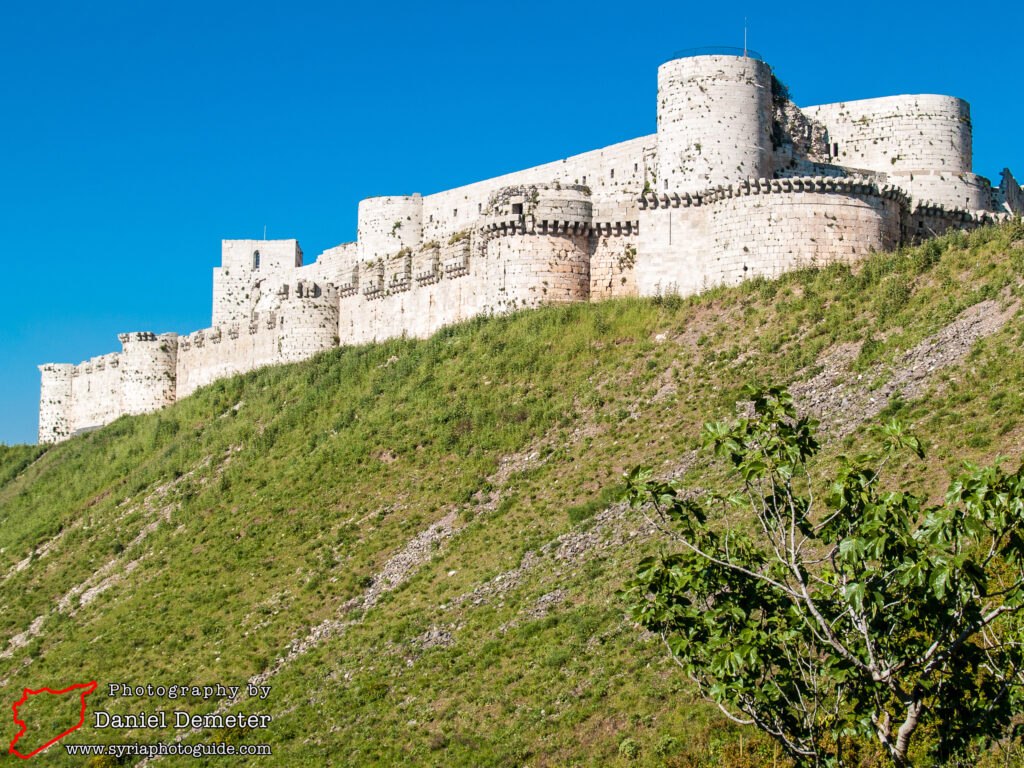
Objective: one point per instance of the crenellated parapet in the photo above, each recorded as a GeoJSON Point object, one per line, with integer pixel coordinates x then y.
{"type": "Point", "coordinates": [302, 322]}
{"type": "Point", "coordinates": [926, 220]}
{"type": "Point", "coordinates": [976, 218]}
{"type": "Point", "coordinates": [539, 209]}
{"type": "Point", "coordinates": [351, 286]}
{"type": "Point", "coordinates": [408, 270]}
{"type": "Point", "coordinates": [455, 257]}
{"type": "Point", "coordinates": [430, 264]}
{"type": "Point", "coordinates": [831, 185]}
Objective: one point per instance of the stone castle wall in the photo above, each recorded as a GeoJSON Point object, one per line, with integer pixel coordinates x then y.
{"type": "Point", "coordinates": [304, 322]}
{"type": "Point", "coordinates": [96, 396]}
{"type": "Point", "coordinates": [616, 175]}
{"type": "Point", "coordinates": [761, 229]}
{"type": "Point", "coordinates": [139, 379]}
{"type": "Point", "coordinates": [738, 182]}
{"type": "Point", "coordinates": [899, 133]}
{"type": "Point", "coordinates": [148, 368]}
{"type": "Point", "coordinates": [1009, 195]}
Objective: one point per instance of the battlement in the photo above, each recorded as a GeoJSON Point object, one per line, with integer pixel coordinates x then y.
{"type": "Point", "coordinates": [539, 210]}
{"type": "Point", "coordinates": [856, 185]}
{"type": "Point", "coordinates": [737, 182]}
{"type": "Point", "coordinates": [57, 369]}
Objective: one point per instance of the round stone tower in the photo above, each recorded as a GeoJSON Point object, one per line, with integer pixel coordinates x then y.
{"type": "Point", "coordinates": [387, 225]}
{"type": "Point", "coordinates": [538, 244]}
{"type": "Point", "coordinates": [148, 371]}
{"type": "Point", "coordinates": [307, 320]}
{"type": "Point", "coordinates": [714, 121]}
{"type": "Point", "coordinates": [55, 422]}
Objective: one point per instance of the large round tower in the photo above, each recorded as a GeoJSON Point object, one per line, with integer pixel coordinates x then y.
{"type": "Point", "coordinates": [714, 121]}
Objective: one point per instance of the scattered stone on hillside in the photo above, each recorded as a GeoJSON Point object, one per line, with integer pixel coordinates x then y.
{"type": "Point", "coordinates": [385, 456]}
{"type": "Point", "coordinates": [93, 592]}
{"type": "Point", "coordinates": [401, 566]}
{"type": "Point", "coordinates": [951, 345]}
{"type": "Point", "coordinates": [607, 532]}
{"type": "Point", "coordinates": [666, 383]}
{"type": "Point", "coordinates": [268, 608]}
{"type": "Point", "coordinates": [22, 638]}
{"type": "Point", "coordinates": [159, 493]}
{"type": "Point", "coordinates": [516, 462]}
{"type": "Point", "coordinates": [39, 552]}
{"type": "Point", "coordinates": [546, 603]}
{"type": "Point", "coordinates": [841, 402]}
{"type": "Point", "coordinates": [435, 637]}
{"type": "Point", "coordinates": [25, 662]}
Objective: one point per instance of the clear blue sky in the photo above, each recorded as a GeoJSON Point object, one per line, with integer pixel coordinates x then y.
{"type": "Point", "coordinates": [136, 135]}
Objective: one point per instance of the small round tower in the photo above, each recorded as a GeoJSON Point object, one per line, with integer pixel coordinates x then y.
{"type": "Point", "coordinates": [307, 320]}
{"type": "Point", "coordinates": [714, 121]}
{"type": "Point", "coordinates": [55, 402]}
{"type": "Point", "coordinates": [538, 244]}
{"type": "Point", "coordinates": [148, 371]}
{"type": "Point", "coordinates": [388, 225]}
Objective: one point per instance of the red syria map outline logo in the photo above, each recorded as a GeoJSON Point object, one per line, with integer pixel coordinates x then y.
{"type": "Point", "coordinates": [89, 688]}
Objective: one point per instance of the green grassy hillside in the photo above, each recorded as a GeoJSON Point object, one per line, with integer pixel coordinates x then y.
{"type": "Point", "coordinates": [415, 544]}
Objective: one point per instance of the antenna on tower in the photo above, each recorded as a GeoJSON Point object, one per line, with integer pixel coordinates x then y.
{"type": "Point", "coordinates": [265, 226]}
{"type": "Point", "coordinates": [744, 37]}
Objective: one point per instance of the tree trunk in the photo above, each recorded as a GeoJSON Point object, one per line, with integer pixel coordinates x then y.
{"type": "Point", "coordinates": [899, 749]}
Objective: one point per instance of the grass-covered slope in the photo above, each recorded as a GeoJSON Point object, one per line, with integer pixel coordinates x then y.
{"type": "Point", "coordinates": [414, 543]}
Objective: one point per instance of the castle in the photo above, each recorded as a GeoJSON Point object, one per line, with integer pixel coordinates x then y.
{"type": "Point", "coordinates": [737, 182]}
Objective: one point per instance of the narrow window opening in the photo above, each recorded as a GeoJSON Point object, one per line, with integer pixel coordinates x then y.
{"type": "Point", "coordinates": [636, 167]}
{"type": "Point", "coordinates": [479, 207]}
{"type": "Point", "coordinates": [255, 259]}
{"type": "Point", "coordinates": [431, 218]}
{"type": "Point", "coordinates": [613, 173]}
{"type": "Point", "coordinates": [455, 212]}
{"type": "Point", "coordinates": [584, 179]}
{"type": "Point", "coordinates": [835, 150]}
{"type": "Point", "coordinates": [517, 208]}
{"type": "Point", "coordinates": [666, 183]}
